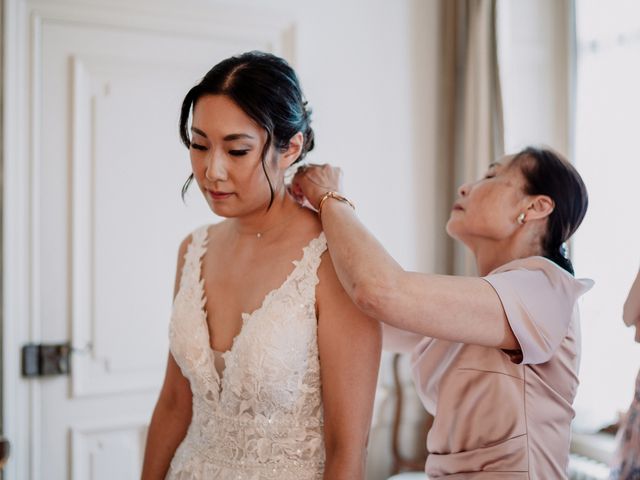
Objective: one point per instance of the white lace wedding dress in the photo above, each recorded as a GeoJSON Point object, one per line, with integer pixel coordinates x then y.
{"type": "Point", "coordinates": [261, 417]}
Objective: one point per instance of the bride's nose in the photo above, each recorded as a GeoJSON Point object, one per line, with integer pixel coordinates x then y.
{"type": "Point", "coordinates": [215, 167]}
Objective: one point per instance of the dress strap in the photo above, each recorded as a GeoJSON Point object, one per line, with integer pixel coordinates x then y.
{"type": "Point", "coordinates": [307, 267]}
{"type": "Point", "coordinates": [193, 256]}
{"type": "Point", "coordinates": [314, 250]}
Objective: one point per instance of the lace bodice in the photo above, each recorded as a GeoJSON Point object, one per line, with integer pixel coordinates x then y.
{"type": "Point", "coordinates": [263, 418]}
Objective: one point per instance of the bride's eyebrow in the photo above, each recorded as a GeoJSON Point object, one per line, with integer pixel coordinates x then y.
{"type": "Point", "coordinates": [228, 138]}
{"type": "Point", "coordinates": [199, 132]}
{"type": "Point", "coordinates": [237, 136]}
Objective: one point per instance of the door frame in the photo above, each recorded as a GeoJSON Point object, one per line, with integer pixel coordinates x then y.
{"type": "Point", "coordinates": [16, 394]}
{"type": "Point", "coordinates": [21, 116]}
{"type": "Point", "coordinates": [1, 238]}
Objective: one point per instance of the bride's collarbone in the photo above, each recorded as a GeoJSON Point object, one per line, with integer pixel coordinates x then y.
{"type": "Point", "coordinates": [243, 288]}
{"type": "Point", "coordinates": [256, 265]}
{"type": "Point", "coordinates": [238, 281]}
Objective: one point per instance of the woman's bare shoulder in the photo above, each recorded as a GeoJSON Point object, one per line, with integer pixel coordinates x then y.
{"type": "Point", "coordinates": [213, 229]}
{"type": "Point", "coordinates": [307, 223]}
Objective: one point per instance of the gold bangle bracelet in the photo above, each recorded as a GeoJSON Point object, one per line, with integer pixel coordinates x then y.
{"type": "Point", "coordinates": [336, 196]}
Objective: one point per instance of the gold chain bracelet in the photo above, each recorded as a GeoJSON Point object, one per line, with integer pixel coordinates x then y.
{"type": "Point", "coordinates": [336, 196]}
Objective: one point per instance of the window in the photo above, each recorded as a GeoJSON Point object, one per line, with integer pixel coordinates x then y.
{"type": "Point", "coordinates": [607, 246]}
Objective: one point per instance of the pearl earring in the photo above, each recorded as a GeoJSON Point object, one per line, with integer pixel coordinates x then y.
{"type": "Point", "coordinates": [521, 218]}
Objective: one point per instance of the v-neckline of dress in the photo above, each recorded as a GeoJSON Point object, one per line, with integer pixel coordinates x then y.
{"type": "Point", "coordinates": [245, 316]}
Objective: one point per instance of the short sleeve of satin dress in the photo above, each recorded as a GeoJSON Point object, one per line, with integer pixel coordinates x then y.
{"type": "Point", "coordinates": [538, 299]}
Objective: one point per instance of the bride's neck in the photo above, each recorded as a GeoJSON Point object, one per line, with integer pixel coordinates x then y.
{"type": "Point", "coordinates": [264, 221]}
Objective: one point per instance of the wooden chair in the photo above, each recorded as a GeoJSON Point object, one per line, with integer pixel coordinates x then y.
{"type": "Point", "coordinates": [4, 451]}
{"type": "Point", "coordinates": [405, 468]}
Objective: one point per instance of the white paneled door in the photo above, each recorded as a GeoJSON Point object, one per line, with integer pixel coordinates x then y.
{"type": "Point", "coordinates": [104, 216]}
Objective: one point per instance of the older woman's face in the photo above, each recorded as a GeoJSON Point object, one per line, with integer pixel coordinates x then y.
{"type": "Point", "coordinates": [489, 208]}
{"type": "Point", "coordinates": [634, 323]}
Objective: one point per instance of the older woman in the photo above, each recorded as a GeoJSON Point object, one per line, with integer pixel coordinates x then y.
{"type": "Point", "coordinates": [495, 358]}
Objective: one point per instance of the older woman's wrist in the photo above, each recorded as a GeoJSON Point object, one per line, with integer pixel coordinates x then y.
{"type": "Point", "coordinates": [332, 195]}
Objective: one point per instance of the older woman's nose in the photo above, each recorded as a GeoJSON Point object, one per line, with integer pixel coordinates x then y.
{"type": "Point", "coordinates": [463, 190]}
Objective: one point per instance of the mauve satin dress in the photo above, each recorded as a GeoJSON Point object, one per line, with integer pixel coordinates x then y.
{"type": "Point", "coordinates": [504, 415]}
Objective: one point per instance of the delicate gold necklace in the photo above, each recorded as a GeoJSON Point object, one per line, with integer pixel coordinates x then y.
{"type": "Point", "coordinates": [259, 235]}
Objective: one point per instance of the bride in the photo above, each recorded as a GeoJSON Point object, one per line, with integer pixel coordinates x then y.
{"type": "Point", "coordinates": [272, 369]}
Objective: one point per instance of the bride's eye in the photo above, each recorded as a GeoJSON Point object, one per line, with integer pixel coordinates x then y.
{"type": "Point", "coordinates": [198, 147]}
{"type": "Point", "coordinates": [238, 153]}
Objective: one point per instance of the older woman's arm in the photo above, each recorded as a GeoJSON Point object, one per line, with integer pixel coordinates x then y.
{"type": "Point", "coordinates": [460, 309]}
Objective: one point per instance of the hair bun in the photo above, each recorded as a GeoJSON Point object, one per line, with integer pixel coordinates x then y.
{"type": "Point", "coordinates": [309, 141]}
{"type": "Point", "coordinates": [307, 131]}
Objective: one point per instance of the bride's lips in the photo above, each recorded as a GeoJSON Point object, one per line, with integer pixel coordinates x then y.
{"type": "Point", "coordinates": [219, 195]}
{"type": "Point", "coordinates": [457, 206]}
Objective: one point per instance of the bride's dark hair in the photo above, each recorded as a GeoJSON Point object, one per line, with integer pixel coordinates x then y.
{"type": "Point", "coordinates": [267, 89]}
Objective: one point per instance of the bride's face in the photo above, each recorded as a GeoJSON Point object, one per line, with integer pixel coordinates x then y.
{"type": "Point", "coordinates": [226, 158]}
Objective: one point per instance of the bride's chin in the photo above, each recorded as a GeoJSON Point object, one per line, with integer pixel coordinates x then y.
{"type": "Point", "coordinates": [223, 210]}
{"type": "Point", "coordinates": [239, 210]}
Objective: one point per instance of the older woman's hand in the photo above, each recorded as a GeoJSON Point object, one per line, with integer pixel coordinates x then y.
{"type": "Point", "coordinates": [313, 181]}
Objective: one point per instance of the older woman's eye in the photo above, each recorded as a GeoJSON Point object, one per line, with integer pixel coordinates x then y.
{"type": "Point", "coordinates": [238, 153]}
{"type": "Point", "coordinates": [197, 146]}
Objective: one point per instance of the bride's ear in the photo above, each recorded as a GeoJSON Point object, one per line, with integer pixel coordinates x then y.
{"type": "Point", "coordinates": [292, 152]}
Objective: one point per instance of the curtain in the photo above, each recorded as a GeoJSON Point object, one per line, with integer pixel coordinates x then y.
{"type": "Point", "coordinates": [472, 116]}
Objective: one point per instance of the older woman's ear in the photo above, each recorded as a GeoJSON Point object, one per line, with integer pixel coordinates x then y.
{"type": "Point", "coordinates": [540, 207]}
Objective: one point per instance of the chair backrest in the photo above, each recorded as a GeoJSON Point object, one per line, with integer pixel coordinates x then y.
{"type": "Point", "coordinates": [406, 395]}
{"type": "Point", "coordinates": [4, 451]}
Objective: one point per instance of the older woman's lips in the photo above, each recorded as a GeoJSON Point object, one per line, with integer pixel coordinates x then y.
{"type": "Point", "coordinates": [457, 206]}
{"type": "Point", "coordinates": [219, 195]}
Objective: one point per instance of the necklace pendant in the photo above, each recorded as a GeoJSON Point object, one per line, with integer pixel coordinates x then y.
{"type": "Point", "coordinates": [259, 235]}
